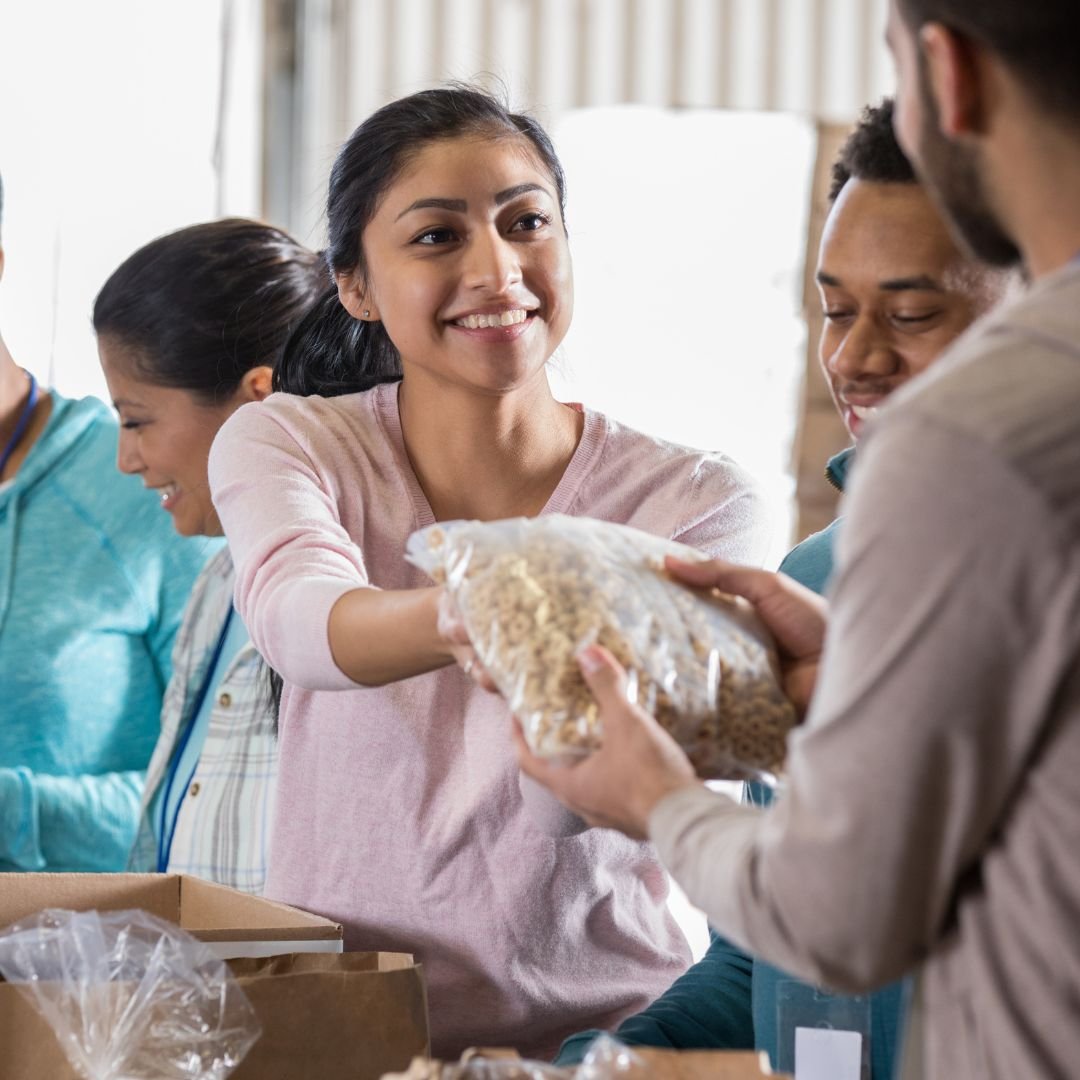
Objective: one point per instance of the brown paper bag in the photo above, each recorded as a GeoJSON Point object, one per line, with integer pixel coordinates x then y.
{"type": "Point", "coordinates": [326, 1016]}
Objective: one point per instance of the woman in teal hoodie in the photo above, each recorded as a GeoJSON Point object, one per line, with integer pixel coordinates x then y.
{"type": "Point", "coordinates": [92, 584]}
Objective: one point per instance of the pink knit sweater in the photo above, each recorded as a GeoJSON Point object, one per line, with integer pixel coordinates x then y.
{"type": "Point", "coordinates": [399, 811]}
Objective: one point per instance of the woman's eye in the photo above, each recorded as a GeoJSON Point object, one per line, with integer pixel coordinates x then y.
{"type": "Point", "coordinates": [836, 315]}
{"type": "Point", "coordinates": [915, 320]}
{"type": "Point", "coordinates": [439, 235]}
{"type": "Point", "coordinates": [131, 425]}
{"type": "Point", "coordinates": [530, 222]}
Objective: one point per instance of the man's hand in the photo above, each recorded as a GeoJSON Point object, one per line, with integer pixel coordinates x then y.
{"type": "Point", "coordinates": [639, 763]}
{"type": "Point", "coordinates": [795, 616]}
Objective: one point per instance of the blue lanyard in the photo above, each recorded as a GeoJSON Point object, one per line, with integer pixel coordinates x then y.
{"type": "Point", "coordinates": [165, 840]}
{"type": "Point", "coordinates": [21, 425]}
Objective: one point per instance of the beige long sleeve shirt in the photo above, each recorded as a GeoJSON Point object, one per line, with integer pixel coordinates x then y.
{"type": "Point", "coordinates": [932, 816]}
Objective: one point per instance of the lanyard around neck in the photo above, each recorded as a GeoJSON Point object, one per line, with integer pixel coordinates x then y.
{"type": "Point", "coordinates": [167, 829]}
{"type": "Point", "coordinates": [21, 424]}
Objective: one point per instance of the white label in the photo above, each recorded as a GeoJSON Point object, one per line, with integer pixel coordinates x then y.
{"type": "Point", "coordinates": [824, 1054]}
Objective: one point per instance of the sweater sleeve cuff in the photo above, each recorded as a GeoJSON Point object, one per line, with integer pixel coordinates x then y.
{"type": "Point", "coordinates": [306, 658]}
{"type": "Point", "coordinates": [19, 829]}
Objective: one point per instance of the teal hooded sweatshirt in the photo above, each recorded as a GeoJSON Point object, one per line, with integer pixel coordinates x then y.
{"type": "Point", "coordinates": [93, 581]}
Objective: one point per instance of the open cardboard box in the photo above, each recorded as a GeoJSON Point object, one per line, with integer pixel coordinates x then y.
{"type": "Point", "coordinates": [707, 1064]}
{"type": "Point", "coordinates": [232, 923]}
{"type": "Point", "coordinates": [659, 1065]}
{"type": "Point", "coordinates": [327, 1016]}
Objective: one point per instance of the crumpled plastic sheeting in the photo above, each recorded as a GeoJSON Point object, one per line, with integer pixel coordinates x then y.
{"type": "Point", "coordinates": [130, 996]}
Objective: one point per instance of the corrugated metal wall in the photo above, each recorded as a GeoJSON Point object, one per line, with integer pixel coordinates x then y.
{"type": "Point", "coordinates": [333, 62]}
{"type": "Point", "coordinates": [823, 58]}
{"type": "Point", "coordinates": [819, 56]}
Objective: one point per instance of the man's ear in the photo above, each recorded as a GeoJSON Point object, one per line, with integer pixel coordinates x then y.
{"type": "Point", "coordinates": [257, 383]}
{"type": "Point", "coordinates": [958, 72]}
{"type": "Point", "coordinates": [352, 292]}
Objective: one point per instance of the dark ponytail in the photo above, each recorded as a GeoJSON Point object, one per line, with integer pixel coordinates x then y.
{"type": "Point", "coordinates": [323, 354]}
{"type": "Point", "coordinates": [330, 352]}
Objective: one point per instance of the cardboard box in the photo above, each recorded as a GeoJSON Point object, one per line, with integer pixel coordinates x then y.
{"type": "Point", "coordinates": [232, 923]}
{"type": "Point", "coordinates": [707, 1064]}
{"type": "Point", "coordinates": [326, 1015]}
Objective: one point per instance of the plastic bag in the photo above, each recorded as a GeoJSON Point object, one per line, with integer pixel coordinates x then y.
{"type": "Point", "coordinates": [532, 592]}
{"type": "Point", "coordinates": [478, 1066]}
{"type": "Point", "coordinates": [606, 1059]}
{"type": "Point", "coordinates": [130, 996]}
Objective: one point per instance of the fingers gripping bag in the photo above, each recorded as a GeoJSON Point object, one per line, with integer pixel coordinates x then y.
{"type": "Point", "coordinates": [533, 592]}
{"type": "Point", "coordinates": [130, 996]}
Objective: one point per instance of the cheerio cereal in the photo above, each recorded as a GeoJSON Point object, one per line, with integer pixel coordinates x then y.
{"type": "Point", "coordinates": [533, 592]}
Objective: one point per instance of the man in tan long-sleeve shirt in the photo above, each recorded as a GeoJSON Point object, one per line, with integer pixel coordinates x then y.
{"type": "Point", "coordinates": [932, 817]}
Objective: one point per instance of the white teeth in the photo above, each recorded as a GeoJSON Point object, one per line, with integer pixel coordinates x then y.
{"type": "Point", "coordinates": [501, 318]}
{"type": "Point", "coordinates": [864, 412]}
{"type": "Point", "coordinates": [167, 492]}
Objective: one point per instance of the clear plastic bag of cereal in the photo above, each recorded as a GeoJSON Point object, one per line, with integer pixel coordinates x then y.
{"type": "Point", "coordinates": [533, 592]}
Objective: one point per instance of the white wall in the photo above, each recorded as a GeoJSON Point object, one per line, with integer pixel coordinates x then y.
{"type": "Point", "coordinates": [109, 116]}
{"type": "Point", "coordinates": [820, 58]}
{"type": "Point", "coordinates": [688, 279]}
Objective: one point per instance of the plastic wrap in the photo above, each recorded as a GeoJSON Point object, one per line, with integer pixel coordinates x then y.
{"type": "Point", "coordinates": [607, 1059]}
{"type": "Point", "coordinates": [130, 996]}
{"type": "Point", "coordinates": [532, 593]}
{"type": "Point", "coordinates": [480, 1067]}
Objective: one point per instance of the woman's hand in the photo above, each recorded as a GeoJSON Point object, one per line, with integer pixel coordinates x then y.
{"type": "Point", "coordinates": [795, 616]}
{"type": "Point", "coordinates": [638, 764]}
{"type": "Point", "coordinates": [451, 628]}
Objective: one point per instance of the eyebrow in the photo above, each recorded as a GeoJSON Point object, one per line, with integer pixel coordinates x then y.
{"type": "Point", "coordinates": [459, 206]}
{"type": "Point", "coordinates": [918, 283]}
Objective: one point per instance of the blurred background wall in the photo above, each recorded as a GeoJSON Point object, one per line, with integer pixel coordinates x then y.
{"type": "Point", "coordinates": [696, 136]}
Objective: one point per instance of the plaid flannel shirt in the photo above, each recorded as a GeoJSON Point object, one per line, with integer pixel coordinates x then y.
{"type": "Point", "coordinates": [222, 831]}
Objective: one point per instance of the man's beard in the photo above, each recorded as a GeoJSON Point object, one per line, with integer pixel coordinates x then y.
{"type": "Point", "coordinates": [952, 176]}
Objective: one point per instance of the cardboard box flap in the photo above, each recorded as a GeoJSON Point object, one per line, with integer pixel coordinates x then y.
{"type": "Point", "coordinates": [706, 1064]}
{"type": "Point", "coordinates": [306, 963]}
{"type": "Point", "coordinates": [214, 913]}
{"type": "Point", "coordinates": [23, 895]}
{"type": "Point", "coordinates": [210, 912]}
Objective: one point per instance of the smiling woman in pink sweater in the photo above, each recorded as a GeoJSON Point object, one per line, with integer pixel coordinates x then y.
{"type": "Point", "coordinates": [416, 392]}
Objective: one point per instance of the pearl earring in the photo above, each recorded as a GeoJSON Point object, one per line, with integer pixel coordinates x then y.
{"type": "Point", "coordinates": [366, 313]}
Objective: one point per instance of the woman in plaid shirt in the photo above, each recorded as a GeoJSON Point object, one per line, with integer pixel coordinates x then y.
{"type": "Point", "coordinates": [189, 328]}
